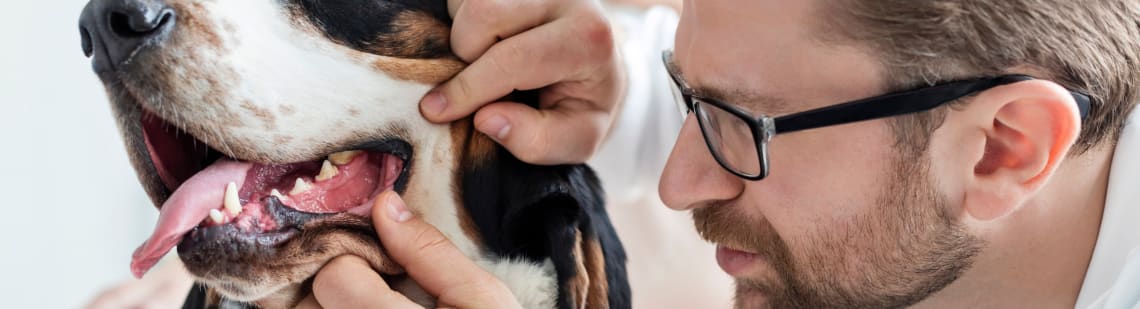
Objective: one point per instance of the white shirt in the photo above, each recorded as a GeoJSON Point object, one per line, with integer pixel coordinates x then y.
{"type": "Point", "coordinates": [631, 161]}
{"type": "Point", "coordinates": [1113, 277]}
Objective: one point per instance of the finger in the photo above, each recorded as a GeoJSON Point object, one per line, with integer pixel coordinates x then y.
{"type": "Point", "coordinates": [349, 282]}
{"type": "Point", "coordinates": [480, 23]}
{"type": "Point", "coordinates": [566, 50]}
{"type": "Point", "coordinates": [569, 132]}
{"type": "Point", "coordinates": [310, 302]}
{"type": "Point", "coordinates": [433, 261]}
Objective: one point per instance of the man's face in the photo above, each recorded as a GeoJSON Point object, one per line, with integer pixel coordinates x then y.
{"type": "Point", "coordinates": [844, 219]}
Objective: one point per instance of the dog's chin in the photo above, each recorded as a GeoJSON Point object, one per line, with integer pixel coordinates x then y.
{"type": "Point", "coordinates": [274, 270]}
{"type": "Point", "coordinates": [258, 232]}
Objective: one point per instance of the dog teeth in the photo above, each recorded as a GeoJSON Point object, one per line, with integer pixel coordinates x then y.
{"type": "Point", "coordinates": [343, 157]}
{"type": "Point", "coordinates": [300, 187]}
{"type": "Point", "coordinates": [231, 202]}
{"type": "Point", "coordinates": [328, 171]}
{"type": "Point", "coordinates": [216, 216]}
{"type": "Point", "coordinates": [277, 194]}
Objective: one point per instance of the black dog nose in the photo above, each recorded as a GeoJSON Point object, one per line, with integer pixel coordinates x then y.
{"type": "Point", "coordinates": [114, 30]}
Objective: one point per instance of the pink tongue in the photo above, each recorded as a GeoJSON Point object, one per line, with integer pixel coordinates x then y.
{"type": "Point", "coordinates": [185, 209]}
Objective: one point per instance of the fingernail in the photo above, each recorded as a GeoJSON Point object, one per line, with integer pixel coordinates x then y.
{"type": "Point", "coordinates": [434, 103]}
{"type": "Point", "coordinates": [397, 211]}
{"type": "Point", "coordinates": [496, 127]}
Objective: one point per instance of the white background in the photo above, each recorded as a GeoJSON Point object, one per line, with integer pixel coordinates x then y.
{"type": "Point", "coordinates": [73, 211]}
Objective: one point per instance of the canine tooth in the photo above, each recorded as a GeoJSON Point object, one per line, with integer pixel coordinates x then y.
{"type": "Point", "coordinates": [216, 216]}
{"type": "Point", "coordinates": [277, 194]}
{"type": "Point", "coordinates": [231, 202]}
{"type": "Point", "coordinates": [300, 187]}
{"type": "Point", "coordinates": [328, 171]}
{"type": "Point", "coordinates": [343, 157]}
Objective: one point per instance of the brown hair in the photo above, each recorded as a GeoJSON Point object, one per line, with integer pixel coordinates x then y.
{"type": "Point", "coordinates": [1092, 46]}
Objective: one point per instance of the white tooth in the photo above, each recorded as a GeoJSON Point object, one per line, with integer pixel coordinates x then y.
{"type": "Point", "coordinates": [328, 171]}
{"type": "Point", "coordinates": [300, 187]}
{"type": "Point", "coordinates": [216, 216]}
{"type": "Point", "coordinates": [277, 194]}
{"type": "Point", "coordinates": [343, 157]}
{"type": "Point", "coordinates": [231, 202]}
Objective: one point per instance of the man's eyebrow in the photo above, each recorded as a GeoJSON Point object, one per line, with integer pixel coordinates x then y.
{"type": "Point", "coordinates": [748, 99]}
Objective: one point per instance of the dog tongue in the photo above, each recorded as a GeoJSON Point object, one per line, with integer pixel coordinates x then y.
{"type": "Point", "coordinates": [185, 209]}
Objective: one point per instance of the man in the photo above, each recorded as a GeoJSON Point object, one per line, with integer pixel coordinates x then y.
{"type": "Point", "coordinates": [1015, 192]}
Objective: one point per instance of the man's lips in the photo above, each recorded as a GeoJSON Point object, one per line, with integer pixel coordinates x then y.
{"type": "Point", "coordinates": [734, 262]}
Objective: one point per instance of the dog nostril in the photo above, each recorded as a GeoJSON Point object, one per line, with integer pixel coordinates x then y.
{"type": "Point", "coordinates": [85, 37]}
{"type": "Point", "coordinates": [138, 24]}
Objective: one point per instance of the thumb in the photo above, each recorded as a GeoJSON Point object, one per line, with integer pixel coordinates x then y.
{"type": "Point", "coordinates": [433, 261]}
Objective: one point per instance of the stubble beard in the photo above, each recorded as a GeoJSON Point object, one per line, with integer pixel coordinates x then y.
{"type": "Point", "coordinates": [904, 250]}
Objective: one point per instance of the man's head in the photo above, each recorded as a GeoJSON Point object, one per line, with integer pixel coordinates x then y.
{"type": "Point", "coordinates": [885, 213]}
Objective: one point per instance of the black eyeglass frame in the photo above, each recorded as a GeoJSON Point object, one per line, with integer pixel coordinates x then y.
{"type": "Point", "coordinates": [764, 127]}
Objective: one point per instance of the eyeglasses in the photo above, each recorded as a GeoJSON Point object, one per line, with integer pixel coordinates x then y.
{"type": "Point", "coordinates": [727, 128]}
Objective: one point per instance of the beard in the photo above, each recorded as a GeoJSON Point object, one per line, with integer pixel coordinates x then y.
{"type": "Point", "coordinates": [905, 249]}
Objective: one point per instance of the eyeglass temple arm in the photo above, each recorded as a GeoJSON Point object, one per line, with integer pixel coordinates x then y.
{"type": "Point", "coordinates": [901, 103]}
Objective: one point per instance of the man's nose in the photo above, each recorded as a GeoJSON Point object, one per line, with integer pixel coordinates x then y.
{"type": "Point", "coordinates": [692, 178]}
{"type": "Point", "coordinates": [115, 30]}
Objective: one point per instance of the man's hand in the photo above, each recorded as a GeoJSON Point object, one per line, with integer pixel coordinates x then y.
{"type": "Point", "coordinates": [429, 258]}
{"type": "Point", "coordinates": [565, 48]}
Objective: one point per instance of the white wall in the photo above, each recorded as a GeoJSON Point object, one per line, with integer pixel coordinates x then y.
{"type": "Point", "coordinates": [73, 211]}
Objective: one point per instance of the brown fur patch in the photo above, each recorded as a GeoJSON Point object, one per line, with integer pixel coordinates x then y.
{"type": "Point", "coordinates": [460, 140]}
{"type": "Point", "coordinates": [287, 110]}
{"type": "Point", "coordinates": [425, 71]}
{"type": "Point", "coordinates": [579, 285]}
{"type": "Point", "coordinates": [595, 264]}
{"type": "Point", "coordinates": [415, 34]}
{"type": "Point", "coordinates": [195, 23]}
{"type": "Point", "coordinates": [268, 119]}
{"type": "Point", "coordinates": [213, 299]}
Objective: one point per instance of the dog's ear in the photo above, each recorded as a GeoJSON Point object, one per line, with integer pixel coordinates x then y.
{"type": "Point", "coordinates": [549, 213]}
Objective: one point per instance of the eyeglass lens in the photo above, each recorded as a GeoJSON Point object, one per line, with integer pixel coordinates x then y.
{"type": "Point", "coordinates": [729, 138]}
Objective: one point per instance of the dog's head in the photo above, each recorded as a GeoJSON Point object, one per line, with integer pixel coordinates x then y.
{"type": "Point", "coordinates": [263, 129]}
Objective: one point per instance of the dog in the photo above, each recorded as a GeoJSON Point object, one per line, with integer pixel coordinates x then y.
{"type": "Point", "coordinates": [263, 130]}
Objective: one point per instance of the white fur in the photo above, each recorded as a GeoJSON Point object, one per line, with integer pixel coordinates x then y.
{"type": "Point", "coordinates": [534, 285]}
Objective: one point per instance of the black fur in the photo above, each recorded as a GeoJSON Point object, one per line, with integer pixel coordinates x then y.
{"type": "Point", "coordinates": [358, 23]}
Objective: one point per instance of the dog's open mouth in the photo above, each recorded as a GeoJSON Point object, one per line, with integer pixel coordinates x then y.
{"type": "Point", "coordinates": [263, 203]}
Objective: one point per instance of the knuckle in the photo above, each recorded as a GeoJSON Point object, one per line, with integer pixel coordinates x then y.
{"type": "Point", "coordinates": [503, 52]}
{"type": "Point", "coordinates": [462, 85]}
{"type": "Point", "coordinates": [596, 32]}
{"type": "Point", "coordinates": [483, 12]}
{"type": "Point", "coordinates": [533, 150]}
{"type": "Point", "coordinates": [430, 241]}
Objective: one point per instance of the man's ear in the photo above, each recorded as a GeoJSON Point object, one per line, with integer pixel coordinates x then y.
{"type": "Point", "coordinates": [1028, 128]}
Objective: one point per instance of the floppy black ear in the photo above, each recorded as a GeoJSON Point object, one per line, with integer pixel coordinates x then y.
{"type": "Point", "coordinates": [537, 213]}
{"type": "Point", "coordinates": [561, 218]}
